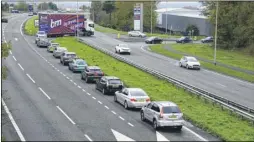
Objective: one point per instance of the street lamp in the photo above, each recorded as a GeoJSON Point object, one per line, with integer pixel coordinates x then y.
{"type": "Point", "coordinates": [151, 18]}
{"type": "Point", "coordinates": [77, 22]}
{"type": "Point", "coordinates": [216, 27]}
{"type": "Point", "coordinates": [166, 22]}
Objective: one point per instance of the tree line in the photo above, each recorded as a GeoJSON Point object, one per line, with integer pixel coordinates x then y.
{"type": "Point", "coordinates": [119, 14]}
{"type": "Point", "coordinates": [235, 23]}
{"type": "Point", "coordinates": [23, 6]}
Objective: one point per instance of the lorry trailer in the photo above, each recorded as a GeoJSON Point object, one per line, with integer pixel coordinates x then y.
{"type": "Point", "coordinates": [60, 24]}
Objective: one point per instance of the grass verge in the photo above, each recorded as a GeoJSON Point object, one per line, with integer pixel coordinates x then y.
{"type": "Point", "coordinates": [203, 114]}
{"type": "Point", "coordinates": [113, 31]}
{"type": "Point", "coordinates": [223, 57]}
{"type": "Point", "coordinates": [30, 29]}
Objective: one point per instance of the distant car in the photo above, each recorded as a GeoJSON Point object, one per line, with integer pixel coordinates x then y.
{"type": "Point", "coordinates": [77, 65]}
{"type": "Point", "coordinates": [30, 14]}
{"type": "Point", "coordinates": [52, 47]}
{"type": "Point", "coordinates": [162, 114]}
{"type": "Point", "coordinates": [122, 48]}
{"type": "Point", "coordinates": [207, 39]}
{"type": "Point", "coordinates": [14, 11]}
{"type": "Point", "coordinates": [132, 97]}
{"type": "Point", "coordinates": [58, 51]}
{"type": "Point", "coordinates": [67, 57]}
{"type": "Point", "coordinates": [38, 37]}
{"type": "Point", "coordinates": [153, 40]}
{"type": "Point", "coordinates": [184, 39]}
{"type": "Point", "coordinates": [91, 73]}
{"type": "Point", "coordinates": [43, 42]}
{"type": "Point", "coordinates": [4, 20]}
{"type": "Point", "coordinates": [189, 62]}
{"type": "Point", "coordinates": [34, 13]}
{"type": "Point", "coordinates": [136, 34]}
{"type": "Point", "coordinates": [41, 33]}
{"type": "Point", "coordinates": [109, 84]}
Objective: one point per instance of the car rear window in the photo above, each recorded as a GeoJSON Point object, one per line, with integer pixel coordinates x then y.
{"type": "Point", "coordinates": [115, 81]}
{"type": "Point", "coordinates": [137, 93]}
{"type": "Point", "coordinates": [94, 70]}
{"type": "Point", "coordinates": [81, 62]}
{"type": "Point", "coordinates": [71, 55]}
{"type": "Point", "coordinates": [171, 109]}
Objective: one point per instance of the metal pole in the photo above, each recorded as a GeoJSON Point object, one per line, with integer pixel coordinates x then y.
{"type": "Point", "coordinates": [151, 18]}
{"type": "Point", "coordinates": [216, 27]}
{"type": "Point", "coordinates": [77, 21]}
{"type": "Point", "coordinates": [166, 22]}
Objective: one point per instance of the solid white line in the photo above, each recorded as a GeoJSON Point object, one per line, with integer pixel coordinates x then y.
{"type": "Point", "coordinates": [201, 138]}
{"type": "Point", "coordinates": [94, 98]}
{"type": "Point", "coordinates": [13, 122]}
{"type": "Point", "coordinates": [99, 102]}
{"type": "Point", "coordinates": [30, 78]}
{"type": "Point", "coordinates": [14, 58]}
{"type": "Point", "coordinates": [130, 124]}
{"type": "Point", "coordinates": [75, 83]}
{"type": "Point", "coordinates": [10, 52]}
{"type": "Point", "coordinates": [79, 87]}
{"type": "Point", "coordinates": [88, 138]}
{"type": "Point", "coordinates": [88, 94]}
{"type": "Point", "coordinates": [113, 112]}
{"type": "Point", "coordinates": [83, 90]}
{"type": "Point", "coordinates": [66, 115]}
{"type": "Point", "coordinates": [121, 118]}
{"type": "Point", "coordinates": [44, 93]}
{"type": "Point", "coordinates": [21, 67]}
{"type": "Point", "coordinates": [106, 107]}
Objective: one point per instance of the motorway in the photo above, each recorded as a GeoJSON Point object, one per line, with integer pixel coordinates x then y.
{"type": "Point", "coordinates": [233, 89]}
{"type": "Point", "coordinates": [48, 102]}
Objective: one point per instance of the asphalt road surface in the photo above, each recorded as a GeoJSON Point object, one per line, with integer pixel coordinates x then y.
{"type": "Point", "coordinates": [49, 102]}
{"type": "Point", "coordinates": [230, 88]}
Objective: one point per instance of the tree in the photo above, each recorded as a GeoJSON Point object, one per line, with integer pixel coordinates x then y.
{"type": "Point", "coordinates": [52, 6]}
{"type": "Point", "coordinates": [84, 7]}
{"type": "Point", "coordinates": [21, 6]}
{"type": "Point", "coordinates": [109, 7]}
{"type": "Point", "coordinates": [96, 7]}
{"type": "Point", "coordinates": [193, 28]}
{"type": "Point", "coordinates": [5, 6]}
{"type": "Point", "coordinates": [5, 48]}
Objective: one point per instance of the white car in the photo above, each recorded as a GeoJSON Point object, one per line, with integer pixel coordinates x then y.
{"type": "Point", "coordinates": [30, 14]}
{"type": "Point", "coordinates": [189, 62]}
{"type": "Point", "coordinates": [136, 34]}
{"type": "Point", "coordinates": [122, 48]}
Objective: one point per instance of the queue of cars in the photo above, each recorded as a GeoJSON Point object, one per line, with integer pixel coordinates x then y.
{"type": "Point", "coordinates": [161, 114]}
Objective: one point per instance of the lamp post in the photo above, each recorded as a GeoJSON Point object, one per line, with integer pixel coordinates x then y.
{"type": "Point", "coordinates": [166, 22]}
{"type": "Point", "coordinates": [216, 27]}
{"type": "Point", "coordinates": [151, 18]}
{"type": "Point", "coordinates": [77, 22]}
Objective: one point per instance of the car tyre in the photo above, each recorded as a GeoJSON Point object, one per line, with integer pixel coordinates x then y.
{"type": "Point", "coordinates": [126, 105]}
{"type": "Point", "coordinates": [179, 128]}
{"type": "Point", "coordinates": [142, 116]}
{"type": "Point", "coordinates": [115, 98]}
{"type": "Point", "coordinates": [187, 66]}
{"type": "Point", "coordinates": [155, 126]}
{"type": "Point", "coordinates": [82, 77]}
{"type": "Point", "coordinates": [180, 64]}
{"type": "Point", "coordinates": [86, 79]}
{"type": "Point", "coordinates": [69, 67]}
{"type": "Point", "coordinates": [103, 91]}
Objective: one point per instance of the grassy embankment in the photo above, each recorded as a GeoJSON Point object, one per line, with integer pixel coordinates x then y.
{"type": "Point", "coordinates": [201, 113]}
{"type": "Point", "coordinates": [30, 29]}
{"type": "Point", "coordinates": [113, 31]}
{"type": "Point", "coordinates": [232, 58]}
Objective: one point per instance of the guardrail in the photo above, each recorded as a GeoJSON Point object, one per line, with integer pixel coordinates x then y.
{"type": "Point", "coordinates": [237, 108]}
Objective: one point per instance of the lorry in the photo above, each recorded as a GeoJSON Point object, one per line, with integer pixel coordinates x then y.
{"type": "Point", "coordinates": [61, 24]}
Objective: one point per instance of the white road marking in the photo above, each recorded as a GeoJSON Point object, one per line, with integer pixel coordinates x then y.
{"type": "Point", "coordinates": [71, 81]}
{"type": "Point", "coordinates": [106, 107]}
{"type": "Point", "coordinates": [88, 94]}
{"type": "Point", "coordinates": [44, 93]}
{"type": "Point", "coordinates": [79, 87]}
{"type": "Point", "coordinates": [67, 77]}
{"type": "Point", "coordinates": [66, 115]}
{"type": "Point", "coordinates": [75, 83]}
{"type": "Point", "coordinates": [94, 98]}
{"type": "Point", "coordinates": [197, 135]}
{"type": "Point", "coordinates": [46, 60]}
{"type": "Point", "coordinates": [14, 58]}
{"type": "Point", "coordinates": [121, 137]}
{"type": "Point", "coordinates": [88, 138]}
{"type": "Point", "coordinates": [130, 124]}
{"type": "Point", "coordinates": [99, 102]}
{"type": "Point", "coordinates": [58, 70]}
{"type": "Point", "coordinates": [121, 118]}
{"type": "Point", "coordinates": [221, 85]}
{"type": "Point", "coordinates": [21, 67]}
{"type": "Point", "coordinates": [10, 52]}
{"type": "Point", "coordinates": [64, 75]}
{"type": "Point", "coordinates": [61, 73]}
{"type": "Point", "coordinates": [113, 112]}
{"type": "Point", "coordinates": [83, 90]}
{"type": "Point", "coordinates": [30, 78]}
{"type": "Point", "coordinates": [160, 137]}
{"type": "Point", "coordinates": [13, 121]}
{"type": "Point", "coordinates": [16, 39]}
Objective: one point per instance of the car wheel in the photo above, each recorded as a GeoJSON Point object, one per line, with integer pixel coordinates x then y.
{"type": "Point", "coordinates": [142, 116]}
{"type": "Point", "coordinates": [129, 53]}
{"type": "Point", "coordinates": [119, 52]}
{"type": "Point", "coordinates": [115, 98]}
{"type": "Point", "coordinates": [179, 128]}
{"type": "Point", "coordinates": [126, 105]}
{"type": "Point", "coordinates": [87, 80]}
{"type": "Point", "coordinates": [180, 64]}
{"type": "Point", "coordinates": [69, 67]}
{"type": "Point", "coordinates": [155, 126]}
{"type": "Point", "coordinates": [73, 71]}
{"type": "Point", "coordinates": [82, 77]}
{"type": "Point", "coordinates": [103, 91]}
{"type": "Point", "coordinates": [187, 66]}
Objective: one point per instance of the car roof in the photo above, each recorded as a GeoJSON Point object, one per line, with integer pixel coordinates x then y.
{"type": "Point", "coordinates": [111, 77]}
{"type": "Point", "coordinates": [93, 67]}
{"type": "Point", "coordinates": [165, 103]}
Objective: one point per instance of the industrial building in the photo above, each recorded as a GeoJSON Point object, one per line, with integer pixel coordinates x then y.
{"type": "Point", "coordinates": [178, 19]}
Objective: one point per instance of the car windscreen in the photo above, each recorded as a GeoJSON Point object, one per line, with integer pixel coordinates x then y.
{"type": "Point", "coordinates": [41, 32]}
{"type": "Point", "coordinates": [171, 109]}
{"type": "Point", "coordinates": [124, 45]}
{"type": "Point", "coordinates": [137, 93]}
{"type": "Point", "coordinates": [71, 55]}
{"type": "Point", "coordinates": [81, 62]}
{"type": "Point", "coordinates": [192, 60]}
{"type": "Point", "coordinates": [115, 81]}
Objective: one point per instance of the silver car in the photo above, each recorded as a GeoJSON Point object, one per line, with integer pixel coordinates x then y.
{"type": "Point", "coordinates": [132, 97]}
{"type": "Point", "coordinates": [136, 34]}
{"type": "Point", "coordinates": [189, 62]}
{"type": "Point", "coordinates": [58, 51]}
{"type": "Point", "coordinates": [43, 42]}
{"type": "Point", "coordinates": [163, 114]}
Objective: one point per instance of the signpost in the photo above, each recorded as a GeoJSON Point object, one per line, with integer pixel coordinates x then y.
{"type": "Point", "coordinates": [138, 17]}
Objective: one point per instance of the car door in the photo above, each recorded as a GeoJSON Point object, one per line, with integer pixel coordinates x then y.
{"type": "Point", "coordinates": [184, 61]}
{"type": "Point", "coordinates": [155, 110]}
{"type": "Point", "coordinates": [71, 64]}
{"type": "Point", "coordinates": [121, 95]}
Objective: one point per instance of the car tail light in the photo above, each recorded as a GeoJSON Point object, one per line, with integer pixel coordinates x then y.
{"type": "Point", "coordinates": [148, 100]}
{"type": "Point", "coordinates": [102, 73]}
{"type": "Point", "coordinates": [133, 100]}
